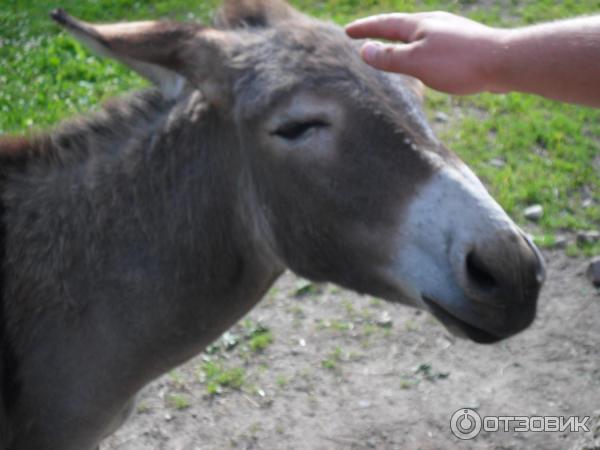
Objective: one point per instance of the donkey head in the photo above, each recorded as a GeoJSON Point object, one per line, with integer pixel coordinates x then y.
{"type": "Point", "coordinates": [347, 179]}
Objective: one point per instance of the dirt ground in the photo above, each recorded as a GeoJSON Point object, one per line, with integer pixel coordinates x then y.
{"type": "Point", "coordinates": [351, 372]}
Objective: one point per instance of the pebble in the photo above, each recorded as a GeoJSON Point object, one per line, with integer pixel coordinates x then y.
{"type": "Point", "coordinates": [560, 242]}
{"type": "Point", "coordinates": [588, 237]}
{"type": "Point", "coordinates": [593, 271]}
{"type": "Point", "coordinates": [497, 163]}
{"type": "Point", "coordinates": [533, 212]}
{"type": "Point", "coordinates": [384, 320]}
{"type": "Point", "coordinates": [587, 203]}
{"type": "Point", "coordinates": [441, 117]}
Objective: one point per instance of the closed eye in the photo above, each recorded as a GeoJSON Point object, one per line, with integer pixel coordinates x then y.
{"type": "Point", "coordinates": [295, 130]}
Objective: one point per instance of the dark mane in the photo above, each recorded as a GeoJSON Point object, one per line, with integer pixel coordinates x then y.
{"type": "Point", "coordinates": [121, 120]}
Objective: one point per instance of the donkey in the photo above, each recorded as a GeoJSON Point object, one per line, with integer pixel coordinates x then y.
{"type": "Point", "coordinates": [133, 238]}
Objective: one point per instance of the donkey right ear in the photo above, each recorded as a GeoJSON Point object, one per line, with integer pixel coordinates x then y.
{"type": "Point", "coordinates": [254, 13]}
{"type": "Point", "coordinates": [166, 53]}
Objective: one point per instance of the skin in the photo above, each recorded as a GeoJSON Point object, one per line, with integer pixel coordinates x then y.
{"type": "Point", "coordinates": [458, 56]}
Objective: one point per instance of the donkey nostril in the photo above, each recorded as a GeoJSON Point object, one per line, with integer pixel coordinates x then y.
{"type": "Point", "coordinates": [478, 272]}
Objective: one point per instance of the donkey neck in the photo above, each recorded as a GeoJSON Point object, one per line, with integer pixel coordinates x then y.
{"type": "Point", "coordinates": [153, 223]}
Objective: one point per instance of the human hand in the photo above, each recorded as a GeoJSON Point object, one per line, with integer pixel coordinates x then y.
{"type": "Point", "coordinates": [448, 53]}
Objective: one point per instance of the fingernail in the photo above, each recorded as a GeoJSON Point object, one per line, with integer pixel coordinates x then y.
{"type": "Point", "coordinates": [369, 51]}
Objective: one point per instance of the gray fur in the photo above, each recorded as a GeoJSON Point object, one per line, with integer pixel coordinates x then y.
{"type": "Point", "coordinates": [135, 237]}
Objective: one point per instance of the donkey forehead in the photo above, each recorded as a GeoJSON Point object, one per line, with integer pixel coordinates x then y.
{"type": "Point", "coordinates": [283, 59]}
{"type": "Point", "coordinates": [277, 62]}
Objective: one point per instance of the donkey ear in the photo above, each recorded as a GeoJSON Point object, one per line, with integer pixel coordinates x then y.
{"type": "Point", "coordinates": [417, 87]}
{"type": "Point", "coordinates": [254, 13]}
{"type": "Point", "coordinates": [166, 53]}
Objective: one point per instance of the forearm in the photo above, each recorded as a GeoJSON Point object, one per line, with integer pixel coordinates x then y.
{"type": "Point", "coordinates": [559, 60]}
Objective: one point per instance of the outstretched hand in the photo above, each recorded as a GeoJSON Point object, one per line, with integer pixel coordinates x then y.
{"type": "Point", "coordinates": [558, 60]}
{"type": "Point", "coordinates": [448, 53]}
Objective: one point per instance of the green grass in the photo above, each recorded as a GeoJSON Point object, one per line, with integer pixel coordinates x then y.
{"type": "Point", "coordinates": [548, 147]}
{"type": "Point", "coordinates": [217, 376]}
{"type": "Point", "coordinates": [177, 401]}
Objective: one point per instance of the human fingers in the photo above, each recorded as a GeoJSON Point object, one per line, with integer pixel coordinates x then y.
{"type": "Point", "coordinates": [396, 27]}
{"type": "Point", "coordinates": [388, 57]}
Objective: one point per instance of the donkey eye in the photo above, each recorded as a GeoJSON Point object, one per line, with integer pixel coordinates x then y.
{"type": "Point", "coordinates": [295, 130]}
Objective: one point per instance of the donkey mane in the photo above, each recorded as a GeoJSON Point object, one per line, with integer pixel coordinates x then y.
{"type": "Point", "coordinates": [120, 121]}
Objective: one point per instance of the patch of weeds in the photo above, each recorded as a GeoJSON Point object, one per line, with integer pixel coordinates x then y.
{"type": "Point", "coordinates": [257, 335]}
{"type": "Point", "coordinates": [228, 341]}
{"type": "Point", "coordinates": [297, 312]}
{"type": "Point", "coordinates": [572, 250]}
{"type": "Point", "coordinates": [425, 371]}
{"type": "Point", "coordinates": [366, 314]}
{"type": "Point", "coordinates": [349, 307]}
{"type": "Point", "coordinates": [177, 379]}
{"type": "Point", "coordinates": [296, 323]}
{"type": "Point", "coordinates": [216, 376]}
{"type": "Point", "coordinates": [322, 324]}
{"type": "Point", "coordinates": [142, 408]}
{"type": "Point", "coordinates": [281, 381]}
{"type": "Point", "coordinates": [407, 383]}
{"type": "Point", "coordinates": [260, 340]}
{"type": "Point", "coordinates": [333, 289]}
{"type": "Point", "coordinates": [177, 401]}
{"type": "Point", "coordinates": [335, 324]}
{"type": "Point", "coordinates": [341, 325]}
{"type": "Point", "coordinates": [410, 325]}
{"type": "Point", "coordinates": [255, 428]}
{"type": "Point", "coordinates": [306, 288]}
{"type": "Point", "coordinates": [329, 364]}
{"type": "Point", "coordinates": [273, 291]}
{"type": "Point", "coordinates": [545, 241]}
{"type": "Point", "coordinates": [368, 329]}
{"type": "Point", "coordinates": [375, 302]}
{"type": "Point", "coordinates": [332, 360]}
{"type": "Point", "coordinates": [587, 248]}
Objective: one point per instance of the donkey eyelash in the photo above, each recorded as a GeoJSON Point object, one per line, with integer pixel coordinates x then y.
{"type": "Point", "coordinates": [294, 130]}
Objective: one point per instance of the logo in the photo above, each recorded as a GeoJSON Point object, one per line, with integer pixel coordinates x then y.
{"type": "Point", "coordinates": [465, 423]}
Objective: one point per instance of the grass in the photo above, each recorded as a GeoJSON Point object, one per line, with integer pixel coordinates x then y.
{"type": "Point", "coordinates": [333, 359]}
{"type": "Point", "coordinates": [217, 377]}
{"type": "Point", "coordinates": [178, 401]}
{"type": "Point", "coordinates": [548, 147]}
{"type": "Point", "coordinates": [259, 337]}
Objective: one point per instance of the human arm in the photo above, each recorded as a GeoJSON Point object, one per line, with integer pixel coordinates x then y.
{"type": "Point", "coordinates": [558, 60]}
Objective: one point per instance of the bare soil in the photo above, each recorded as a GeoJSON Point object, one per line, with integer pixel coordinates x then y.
{"type": "Point", "coordinates": [351, 372]}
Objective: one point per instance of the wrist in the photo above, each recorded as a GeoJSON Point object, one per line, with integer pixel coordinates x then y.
{"type": "Point", "coordinates": [497, 67]}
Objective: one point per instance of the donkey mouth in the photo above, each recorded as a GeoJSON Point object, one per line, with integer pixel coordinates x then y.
{"type": "Point", "coordinates": [458, 326]}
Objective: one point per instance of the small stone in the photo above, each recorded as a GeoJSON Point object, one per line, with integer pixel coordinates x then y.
{"type": "Point", "coordinates": [497, 163]}
{"type": "Point", "coordinates": [588, 237]}
{"type": "Point", "coordinates": [560, 242]}
{"type": "Point", "coordinates": [441, 117]}
{"type": "Point", "coordinates": [593, 271]}
{"type": "Point", "coordinates": [364, 403]}
{"type": "Point", "coordinates": [534, 212]}
{"type": "Point", "coordinates": [384, 320]}
{"type": "Point", "coordinates": [168, 417]}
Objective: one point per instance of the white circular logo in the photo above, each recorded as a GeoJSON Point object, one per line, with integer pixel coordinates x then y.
{"type": "Point", "coordinates": [465, 423]}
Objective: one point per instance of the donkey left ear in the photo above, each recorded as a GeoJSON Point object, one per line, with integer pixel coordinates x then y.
{"type": "Point", "coordinates": [166, 53]}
